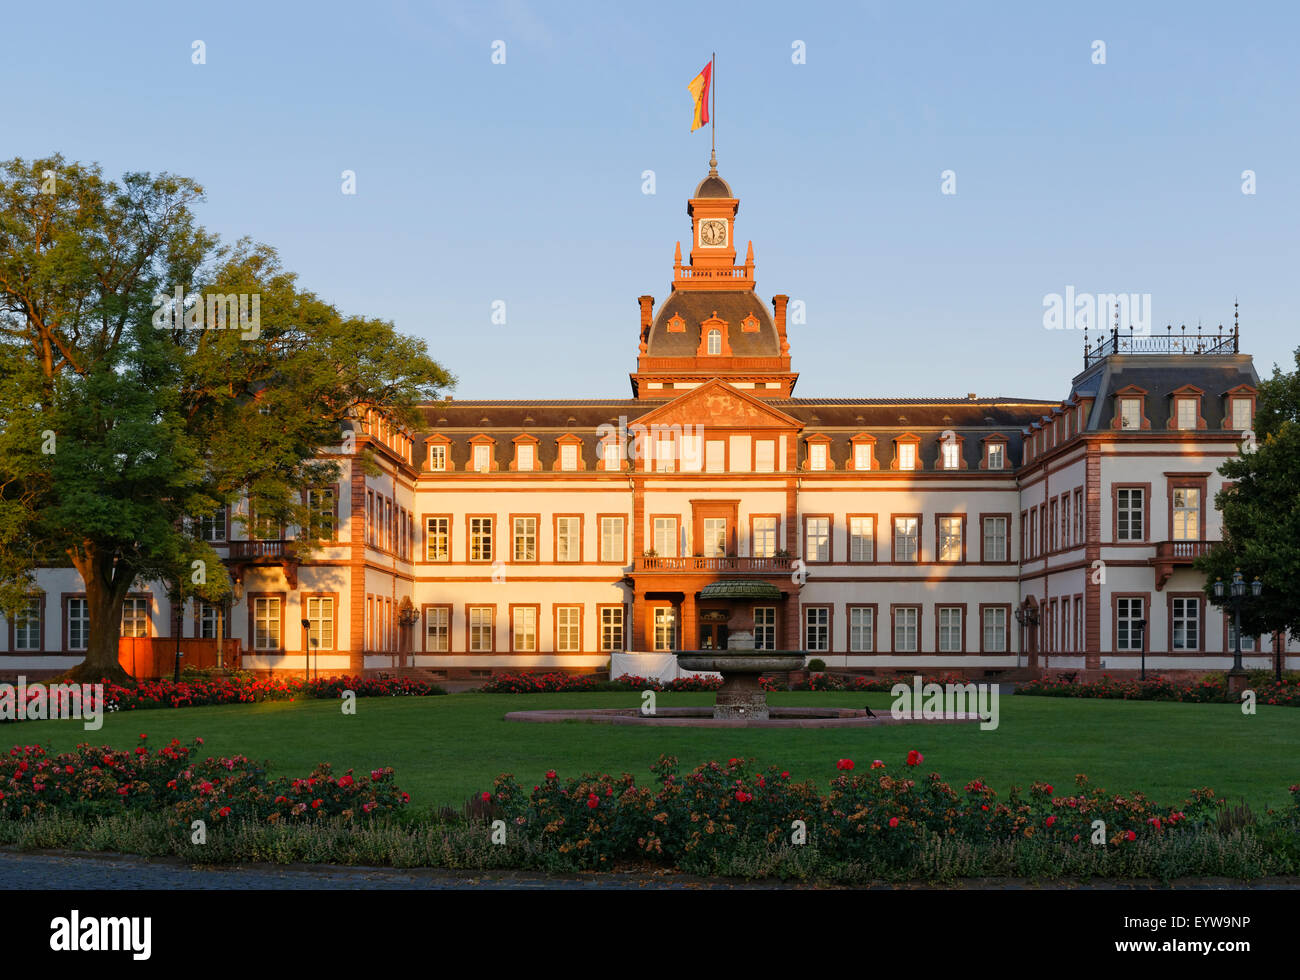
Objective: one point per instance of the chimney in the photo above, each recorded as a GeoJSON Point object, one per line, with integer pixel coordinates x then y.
{"type": "Point", "coordinates": [778, 306]}
{"type": "Point", "coordinates": [647, 315]}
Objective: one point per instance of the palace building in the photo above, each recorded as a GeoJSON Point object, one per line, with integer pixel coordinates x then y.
{"type": "Point", "coordinates": [970, 534]}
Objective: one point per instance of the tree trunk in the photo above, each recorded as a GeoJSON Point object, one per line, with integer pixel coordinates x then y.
{"type": "Point", "coordinates": [107, 584]}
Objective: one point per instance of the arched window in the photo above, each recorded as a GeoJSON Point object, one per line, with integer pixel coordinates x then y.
{"type": "Point", "coordinates": [715, 341]}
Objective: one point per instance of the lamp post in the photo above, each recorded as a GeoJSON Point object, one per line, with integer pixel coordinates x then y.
{"type": "Point", "coordinates": [1141, 627]}
{"type": "Point", "coordinates": [306, 650]}
{"type": "Point", "coordinates": [1027, 617]}
{"type": "Point", "coordinates": [178, 614]}
{"type": "Point", "coordinates": [1236, 596]}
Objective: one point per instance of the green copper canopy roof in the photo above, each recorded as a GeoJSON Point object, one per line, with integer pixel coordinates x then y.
{"type": "Point", "coordinates": [740, 589]}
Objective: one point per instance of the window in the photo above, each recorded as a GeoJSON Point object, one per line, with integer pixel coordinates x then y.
{"type": "Point", "coordinates": [266, 623]}
{"type": "Point", "coordinates": [715, 456]}
{"type": "Point", "coordinates": [1186, 514]}
{"type": "Point", "coordinates": [817, 629]}
{"type": "Point", "coordinates": [135, 617]}
{"type": "Point", "coordinates": [569, 456]}
{"type": "Point", "coordinates": [27, 624]}
{"type": "Point", "coordinates": [862, 539]}
{"type": "Point", "coordinates": [950, 638]}
{"type": "Point", "coordinates": [568, 539]}
{"type": "Point", "coordinates": [437, 629]}
{"type": "Point", "coordinates": [1053, 511]}
{"type": "Point", "coordinates": [611, 628]}
{"type": "Point", "coordinates": [665, 537]}
{"type": "Point", "coordinates": [320, 514]}
{"type": "Point", "coordinates": [79, 623]}
{"type": "Point", "coordinates": [568, 629]}
{"type": "Point", "coordinates": [715, 341]}
{"type": "Point", "coordinates": [1065, 520]}
{"type": "Point", "coordinates": [817, 539]}
{"type": "Point", "coordinates": [613, 459]}
{"type": "Point", "coordinates": [480, 629]}
{"type": "Point", "coordinates": [320, 616]}
{"type": "Point", "coordinates": [525, 537]}
{"type": "Point", "coordinates": [997, 456]}
{"type": "Point", "coordinates": [480, 539]}
{"type": "Point", "coordinates": [665, 628]}
{"type": "Point", "coordinates": [437, 544]}
{"type": "Point", "coordinates": [906, 456]}
{"type": "Point", "coordinates": [1130, 413]}
{"type": "Point", "coordinates": [715, 537]}
{"type": "Point", "coordinates": [905, 620]}
{"type": "Point", "coordinates": [995, 630]}
{"type": "Point", "coordinates": [995, 539]}
{"type": "Point", "coordinates": [1129, 514]}
{"type": "Point", "coordinates": [862, 456]}
{"type": "Point", "coordinates": [1078, 515]}
{"type": "Point", "coordinates": [906, 533]}
{"type": "Point", "coordinates": [950, 454]}
{"type": "Point", "coordinates": [692, 448]}
{"type": "Point", "coordinates": [1241, 418]}
{"type": "Point", "coordinates": [764, 627]}
{"type": "Point", "coordinates": [211, 619]}
{"type": "Point", "coordinates": [764, 537]}
{"type": "Point", "coordinates": [1247, 642]}
{"type": "Point", "coordinates": [524, 629]}
{"type": "Point", "coordinates": [212, 527]}
{"type": "Point", "coordinates": [765, 456]}
{"type": "Point", "coordinates": [1128, 613]}
{"type": "Point", "coordinates": [817, 456]}
{"type": "Point", "coordinates": [665, 455]}
{"type": "Point", "coordinates": [524, 457]}
{"type": "Point", "coordinates": [1065, 624]}
{"type": "Point", "coordinates": [438, 457]}
{"type": "Point", "coordinates": [1186, 623]}
{"type": "Point", "coordinates": [950, 539]}
{"type": "Point", "coordinates": [611, 539]}
{"type": "Point", "coordinates": [482, 459]}
{"type": "Point", "coordinates": [1186, 413]}
{"type": "Point", "coordinates": [862, 629]}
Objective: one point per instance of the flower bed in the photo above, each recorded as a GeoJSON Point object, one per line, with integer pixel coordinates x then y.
{"type": "Point", "coordinates": [551, 683]}
{"type": "Point", "coordinates": [859, 682]}
{"type": "Point", "coordinates": [880, 817]}
{"type": "Point", "coordinates": [1212, 688]}
{"type": "Point", "coordinates": [244, 688]}
{"type": "Point", "coordinates": [99, 780]}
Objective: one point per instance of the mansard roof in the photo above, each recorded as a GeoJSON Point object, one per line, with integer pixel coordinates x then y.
{"type": "Point", "coordinates": [696, 306]}
{"type": "Point", "coordinates": [1160, 376]}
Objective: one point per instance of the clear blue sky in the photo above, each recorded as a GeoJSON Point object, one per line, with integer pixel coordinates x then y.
{"type": "Point", "coordinates": [522, 182]}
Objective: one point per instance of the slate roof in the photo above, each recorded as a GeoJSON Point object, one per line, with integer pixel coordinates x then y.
{"type": "Point", "coordinates": [1160, 376]}
{"type": "Point", "coordinates": [696, 306]}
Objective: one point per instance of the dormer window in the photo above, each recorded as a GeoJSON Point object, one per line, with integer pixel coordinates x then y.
{"type": "Point", "coordinates": [438, 458]}
{"type": "Point", "coordinates": [612, 460]}
{"type": "Point", "coordinates": [482, 458]}
{"type": "Point", "coordinates": [1130, 413]}
{"type": "Point", "coordinates": [907, 456]}
{"type": "Point", "coordinates": [997, 456]}
{"type": "Point", "coordinates": [950, 455]}
{"type": "Point", "coordinates": [1242, 413]}
{"type": "Point", "coordinates": [1185, 413]}
{"type": "Point", "coordinates": [569, 457]}
{"type": "Point", "coordinates": [524, 458]}
{"type": "Point", "coordinates": [715, 341]}
{"type": "Point", "coordinates": [862, 456]}
{"type": "Point", "coordinates": [817, 456]}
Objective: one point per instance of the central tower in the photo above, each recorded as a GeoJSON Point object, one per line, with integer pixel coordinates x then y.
{"type": "Point", "coordinates": [713, 325]}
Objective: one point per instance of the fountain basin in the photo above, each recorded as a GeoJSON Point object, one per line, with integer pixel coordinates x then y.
{"type": "Point", "coordinates": [741, 698]}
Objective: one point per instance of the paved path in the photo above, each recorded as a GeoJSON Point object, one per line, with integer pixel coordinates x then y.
{"type": "Point", "coordinates": [54, 871]}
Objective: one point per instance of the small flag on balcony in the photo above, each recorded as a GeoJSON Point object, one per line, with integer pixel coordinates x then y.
{"type": "Point", "coordinates": [699, 89]}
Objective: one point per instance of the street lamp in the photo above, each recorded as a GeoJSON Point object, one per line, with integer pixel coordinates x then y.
{"type": "Point", "coordinates": [312, 641]}
{"type": "Point", "coordinates": [1236, 597]}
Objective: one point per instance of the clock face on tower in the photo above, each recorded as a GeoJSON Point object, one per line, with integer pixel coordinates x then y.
{"type": "Point", "coordinates": [713, 233]}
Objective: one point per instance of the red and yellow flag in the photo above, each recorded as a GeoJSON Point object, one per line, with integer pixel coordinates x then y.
{"type": "Point", "coordinates": [699, 89]}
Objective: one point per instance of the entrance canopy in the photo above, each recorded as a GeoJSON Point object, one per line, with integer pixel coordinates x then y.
{"type": "Point", "coordinates": [740, 589]}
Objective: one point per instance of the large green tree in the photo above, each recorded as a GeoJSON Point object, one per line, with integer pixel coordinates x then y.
{"type": "Point", "coordinates": [122, 420]}
{"type": "Point", "coordinates": [1261, 511]}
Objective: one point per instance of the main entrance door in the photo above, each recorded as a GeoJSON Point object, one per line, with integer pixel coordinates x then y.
{"type": "Point", "coordinates": [713, 636]}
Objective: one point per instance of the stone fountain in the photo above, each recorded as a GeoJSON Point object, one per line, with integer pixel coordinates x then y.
{"type": "Point", "coordinates": [741, 698]}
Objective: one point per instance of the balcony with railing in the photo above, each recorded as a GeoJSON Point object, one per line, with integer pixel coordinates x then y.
{"type": "Point", "coordinates": [1176, 554]}
{"type": "Point", "coordinates": [729, 564]}
{"type": "Point", "coordinates": [264, 551]}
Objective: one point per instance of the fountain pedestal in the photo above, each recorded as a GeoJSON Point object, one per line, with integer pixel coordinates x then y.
{"type": "Point", "coordinates": [741, 698]}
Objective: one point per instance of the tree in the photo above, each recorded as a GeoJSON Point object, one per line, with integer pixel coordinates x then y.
{"type": "Point", "coordinates": [1261, 511]}
{"type": "Point", "coordinates": [125, 415]}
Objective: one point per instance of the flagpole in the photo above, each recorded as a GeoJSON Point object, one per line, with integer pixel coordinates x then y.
{"type": "Point", "coordinates": [713, 113]}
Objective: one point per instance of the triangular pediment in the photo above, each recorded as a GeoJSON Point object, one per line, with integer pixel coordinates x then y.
{"type": "Point", "coordinates": [716, 403]}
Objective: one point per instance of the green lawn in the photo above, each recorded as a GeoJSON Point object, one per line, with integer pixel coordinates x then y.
{"type": "Point", "coordinates": [446, 748]}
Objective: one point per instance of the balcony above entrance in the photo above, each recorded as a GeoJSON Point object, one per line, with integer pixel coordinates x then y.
{"type": "Point", "coordinates": [741, 566]}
